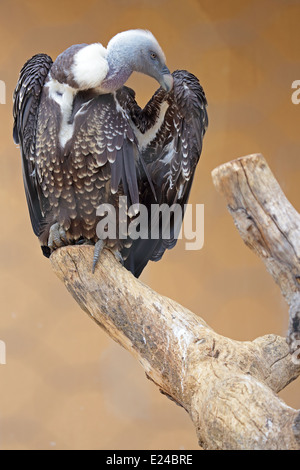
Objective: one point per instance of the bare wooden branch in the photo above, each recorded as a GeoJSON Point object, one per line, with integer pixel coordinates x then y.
{"type": "Point", "coordinates": [227, 387]}
{"type": "Point", "coordinates": [268, 224]}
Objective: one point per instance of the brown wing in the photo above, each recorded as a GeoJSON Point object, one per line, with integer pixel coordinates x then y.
{"type": "Point", "coordinates": [25, 112]}
{"type": "Point", "coordinates": [171, 157]}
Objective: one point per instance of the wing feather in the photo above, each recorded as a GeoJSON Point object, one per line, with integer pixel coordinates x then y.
{"type": "Point", "coordinates": [25, 113]}
{"type": "Point", "coordinates": [104, 132]}
{"type": "Point", "coordinates": [171, 157]}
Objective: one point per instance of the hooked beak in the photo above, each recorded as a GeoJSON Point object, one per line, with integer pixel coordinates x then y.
{"type": "Point", "coordinates": [166, 79]}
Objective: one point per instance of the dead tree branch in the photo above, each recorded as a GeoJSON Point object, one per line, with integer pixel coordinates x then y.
{"type": "Point", "coordinates": [268, 224]}
{"type": "Point", "coordinates": [228, 387]}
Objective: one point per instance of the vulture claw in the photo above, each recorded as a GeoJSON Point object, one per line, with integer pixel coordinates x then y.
{"type": "Point", "coordinates": [84, 241]}
{"type": "Point", "coordinates": [119, 257]}
{"type": "Point", "coordinates": [57, 237]}
{"type": "Point", "coordinates": [97, 251]}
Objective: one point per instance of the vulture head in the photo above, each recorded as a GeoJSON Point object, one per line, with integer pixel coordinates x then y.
{"type": "Point", "coordinates": [90, 66]}
{"type": "Point", "coordinates": [139, 51]}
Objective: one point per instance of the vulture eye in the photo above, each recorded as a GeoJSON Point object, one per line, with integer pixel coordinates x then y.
{"type": "Point", "coordinates": [153, 55]}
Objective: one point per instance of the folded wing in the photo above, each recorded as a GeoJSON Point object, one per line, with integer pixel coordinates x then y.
{"type": "Point", "coordinates": [25, 113]}
{"type": "Point", "coordinates": [170, 131]}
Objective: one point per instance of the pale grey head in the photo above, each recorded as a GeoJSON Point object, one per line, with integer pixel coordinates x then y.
{"type": "Point", "coordinates": [137, 50]}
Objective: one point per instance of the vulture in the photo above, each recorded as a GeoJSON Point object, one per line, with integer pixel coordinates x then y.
{"type": "Point", "coordinates": [85, 143]}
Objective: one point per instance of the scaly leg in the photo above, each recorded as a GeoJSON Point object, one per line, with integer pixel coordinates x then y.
{"type": "Point", "coordinates": [57, 237]}
{"type": "Point", "coordinates": [119, 257]}
{"type": "Point", "coordinates": [97, 252]}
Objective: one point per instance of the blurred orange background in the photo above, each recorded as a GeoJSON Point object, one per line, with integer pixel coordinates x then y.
{"type": "Point", "coordinates": [66, 385]}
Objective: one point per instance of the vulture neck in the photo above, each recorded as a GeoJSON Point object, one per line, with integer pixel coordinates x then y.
{"type": "Point", "coordinates": [118, 73]}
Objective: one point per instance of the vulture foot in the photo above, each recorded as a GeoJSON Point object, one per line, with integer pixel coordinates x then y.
{"type": "Point", "coordinates": [118, 257]}
{"type": "Point", "coordinates": [97, 252]}
{"type": "Point", "coordinates": [99, 245]}
{"type": "Point", "coordinates": [57, 237]}
{"type": "Point", "coordinates": [84, 241]}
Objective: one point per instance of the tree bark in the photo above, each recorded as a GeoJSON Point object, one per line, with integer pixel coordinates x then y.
{"type": "Point", "coordinates": [228, 387]}
{"type": "Point", "coordinates": [268, 224]}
